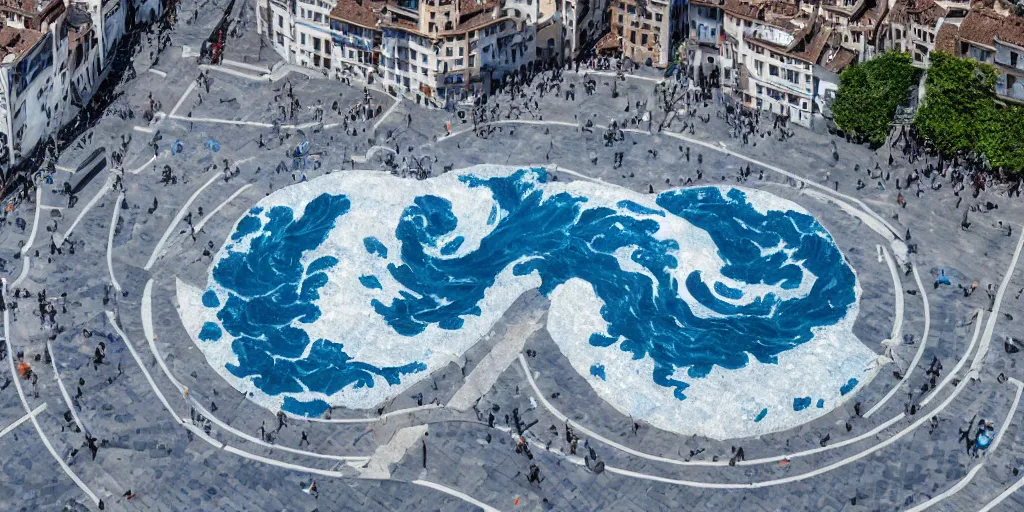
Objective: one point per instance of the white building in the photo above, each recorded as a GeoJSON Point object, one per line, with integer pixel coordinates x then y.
{"type": "Point", "coordinates": [280, 28]}
{"type": "Point", "coordinates": [313, 38]}
{"type": "Point", "coordinates": [911, 27]}
{"type": "Point", "coordinates": [773, 49]}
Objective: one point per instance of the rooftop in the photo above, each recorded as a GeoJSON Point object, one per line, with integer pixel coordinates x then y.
{"type": "Point", "coordinates": [924, 12]}
{"type": "Point", "coordinates": [357, 12]}
{"type": "Point", "coordinates": [946, 39]}
{"type": "Point", "coordinates": [984, 26]}
{"type": "Point", "coordinates": [15, 41]}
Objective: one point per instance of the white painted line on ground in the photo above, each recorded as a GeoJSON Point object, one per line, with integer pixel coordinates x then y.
{"type": "Point", "coordinates": [146, 312]}
{"type": "Point", "coordinates": [235, 72]}
{"type": "Point", "coordinates": [803, 476]}
{"type": "Point", "coordinates": [384, 417]}
{"type": "Point", "coordinates": [199, 227]}
{"type": "Point", "coordinates": [143, 129]}
{"type": "Point", "coordinates": [872, 219]}
{"type": "Point", "coordinates": [142, 366]}
{"type": "Point", "coordinates": [920, 348]}
{"type": "Point", "coordinates": [23, 419]}
{"type": "Point", "coordinates": [627, 75]}
{"type": "Point", "coordinates": [24, 402]}
{"type": "Point", "coordinates": [765, 460]}
{"type": "Point", "coordinates": [458, 494]}
{"type": "Point", "coordinates": [110, 242]}
{"type": "Point", "coordinates": [949, 492]}
{"type": "Point", "coordinates": [148, 162]}
{"type": "Point", "coordinates": [974, 471]}
{"type": "Point", "coordinates": [370, 152]}
{"type": "Point", "coordinates": [223, 121]}
{"type": "Point", "coordinates": [158, 250]}
{"type": "Point", "coordinates": [184, 96]}
{"type": "Point", "coordinates": [986, 338]}
{"type": "Point", "coordinates": [387, 113]}
{"type": "Point", "coordinates": [1009, 417]}
{"type": "Point", "coordinates": [64, 392]}
{"type": "Point", "coordinates": [245, 65]}
{"type": "Point", "coordinates": [198, 432]}
{"type": "Point", "coordinates": [26, 265]}
{"type": "Point", "coordinates": [59, 238]}
{"type": "Point", "coordinates": [157, 72]}
{"type": "Point", "coordinates": [1005, 494]}
{"type": "Point", "coordinates": [35, 223]}
{"type": "Point", "coordinates": [64, 169]}
{"type": "Point", "coordinates": [285, 465]}
{"type": "Point", "coordinates": [963, 359]}
{"type": "Point", "coordinates": [897, 324]}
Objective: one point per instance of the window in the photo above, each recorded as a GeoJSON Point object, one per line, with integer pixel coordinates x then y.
{"type": "Point", "coordinates": [472, 61]}
{"type": "Point", "coordinates": [448, 51]}
{"type": "Point", "coordinates": [620, 19]}
{"type": "Point", "coordinates": [280, 21]}
{"type": "Point", "coordinates": [302, 38]}
{"type": "Point", "coordinates": [280, 39]}
{"type": "Point", "coordinates": [316, 17]}
{"type": "Point", "coordinates": [1013, 59]}
{"type": "Point", "coordinates": [643, 39]}
{"type": "Point", "coordinates": [657, 17]}
{"type": "Point", "coordinates": [316, 44]}
{"type": "Point", "coordinates": [773, 70]}
{"type": "Point", "coordinates": [461, 51]}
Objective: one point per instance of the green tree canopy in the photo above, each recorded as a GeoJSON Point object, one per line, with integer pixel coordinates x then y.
{"type": "Point", "coordinates": [960, 112]}
{"type": "Point", "coordinates": [1003, 139]}
{"type": "Point", "coordinates": [959, 101]}
{"type": "Point", "coordinates": [869, 93]}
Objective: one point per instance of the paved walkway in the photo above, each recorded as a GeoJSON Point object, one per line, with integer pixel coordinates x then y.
{"type": "Point", "coordinates": [210, 450]}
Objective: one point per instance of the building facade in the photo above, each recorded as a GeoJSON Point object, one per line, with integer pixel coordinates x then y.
{"type": "Point", "coordinates": [996, 39]}
{"type": "Point", "coordinates": [647, 30]}
{"type": "Point", "coordinates": [773, 49]}
{"type": "Point", "coordinates": [912, 27]}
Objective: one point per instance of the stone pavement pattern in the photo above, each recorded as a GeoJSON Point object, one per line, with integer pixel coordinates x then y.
{"type": "Point", "coordinates": [144, 448]}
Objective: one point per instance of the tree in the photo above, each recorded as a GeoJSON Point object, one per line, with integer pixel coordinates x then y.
{"type": "Point", "coordinates": [960, 113]}
{"type": "Point", "coordinates": [1003, 139]}
{"type": "Point", "coordinates": [958, 104]}
{"type": "Point", "coordinates": [870, 92]}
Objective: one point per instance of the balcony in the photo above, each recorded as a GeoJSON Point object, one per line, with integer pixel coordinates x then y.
{"type": "Point", "coordinates": [780, 83]}
{"type": "Point", "coordinates": [1010, 87]}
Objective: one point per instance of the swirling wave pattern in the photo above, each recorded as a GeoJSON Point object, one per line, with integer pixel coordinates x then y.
{"type": "Point", "coordinates": [647, 295]}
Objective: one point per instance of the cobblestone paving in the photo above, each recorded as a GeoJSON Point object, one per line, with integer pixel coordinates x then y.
{"type": "Point", "coordinates": [145, 448]}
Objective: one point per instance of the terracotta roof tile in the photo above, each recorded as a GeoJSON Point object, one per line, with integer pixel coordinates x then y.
{"type": "Point", "coordinates": [358, 12]}
{"type": "Point", "coordinates": [15, 41]}
{"type": "Point", "coordinates": [983, 26]}
{"type": "Point", "coordinates": [946, 39]}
